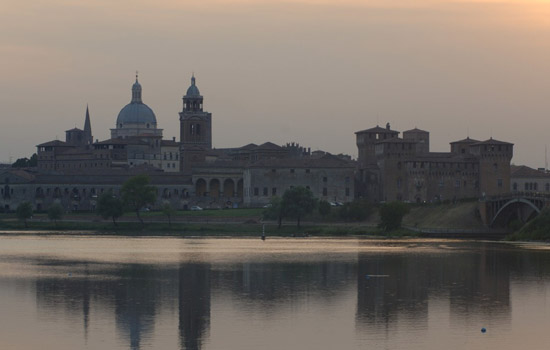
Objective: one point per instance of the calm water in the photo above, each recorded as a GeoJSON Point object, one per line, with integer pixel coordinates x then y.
{"type": "Point", "coordinates": [103, 293]}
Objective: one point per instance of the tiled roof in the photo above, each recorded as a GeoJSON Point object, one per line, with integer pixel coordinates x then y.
{"type": "Point", "coordinates": [492, 141]}
{"type": "Point", "coordinates": [326, 161]}
{"type": "Point", "coordinates": [378, 129]}
{"type": "Point", "coordinates": [466, 140]}
{"type": "Point", "coordinates": [416, 130]}
{"type": "Point", "coordinates": [525, 171]}
{"type": "Point", "coordinates": [54, 143]}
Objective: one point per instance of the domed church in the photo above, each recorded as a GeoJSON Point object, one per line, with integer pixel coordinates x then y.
{"type": "Point", "coordinates": [136, 118]}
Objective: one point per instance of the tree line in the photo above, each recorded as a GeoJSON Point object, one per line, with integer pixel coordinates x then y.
{"type": "Point", "coordinates": [296, 203]}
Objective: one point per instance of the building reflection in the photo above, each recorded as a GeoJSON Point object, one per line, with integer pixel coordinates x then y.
{"type": "Point", "coordinates": [135, 297]}
{"type": "Point", "coordinates": [470, 282]}
{"type": "Point", "coordinates": [267, 285]}
{"type": "Point", "coordinates": [394, 286]}
{"type": "Point", "coordinates": [194, 304]}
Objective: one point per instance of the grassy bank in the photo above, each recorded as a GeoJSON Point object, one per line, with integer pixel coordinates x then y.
{"type": "Point", "coordinates": [198, 229]}
{"type": "Point", "coordinates": [459, 216]}
{"type": "Point", "coordinates": [247, 222]}
{"type": "Point", "coordinates": [537, 229]}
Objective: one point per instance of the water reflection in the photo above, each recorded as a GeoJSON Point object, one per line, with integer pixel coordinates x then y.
{"type": "Point", "coordinates": [194, 304]}
{"type": "Point", "coordinates": [156, 305]}
{"type": "Point", "coordinates": [393, 286]}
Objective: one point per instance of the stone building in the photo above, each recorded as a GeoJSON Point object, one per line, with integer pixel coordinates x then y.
{"type": "Point", "coordinates": [76, 171]}
{"type": "Point", "coordinates": [525, 179]}
{"type": "Point", "coordinates": [392, 168]}
{"type": "Point", "coordinates": [195, 129]}
{"type": "Point", "coordinates": [329, 178]}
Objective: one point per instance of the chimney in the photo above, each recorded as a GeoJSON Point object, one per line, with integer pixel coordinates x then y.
{"type": "Point", "coordinates": [387, 126]}
{"type": "Point", "coordinates": [174, 139]}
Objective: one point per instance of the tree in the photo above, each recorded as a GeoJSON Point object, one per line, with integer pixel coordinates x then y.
{"type": "Point", "coordinates": [24, 212]}
{"type": "Point", "coordinates": [108, 206]}
{"type": "Point", "coordinates": [26, 162]}
{"type": "Point", "coordinates": [169, 212]}
{"type": "Point", "coordinates": [298, 202]}
{"type": "Point", "coordinates": [55, 213]}
{"type": "Point", "coordinates": [355, 211]}
{"type": "Point", "coordinates": [391, 215]}
{"type": "Point", "coordinates": [136, 194]}
{"type": "Point", "coordinates": [324, 208]}
{"type": "Point", "coordinates": [275, 211]}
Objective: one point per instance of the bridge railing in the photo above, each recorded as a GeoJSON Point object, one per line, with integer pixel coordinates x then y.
{"type": "Point", "coordinates": [512, 195]}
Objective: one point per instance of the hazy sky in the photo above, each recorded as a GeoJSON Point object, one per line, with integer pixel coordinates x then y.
{"type": "Point", "coordinates": [308, 71]}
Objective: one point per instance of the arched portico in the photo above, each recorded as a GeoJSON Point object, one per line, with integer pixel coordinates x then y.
{"type": "Point", "coordinates": [200, 188]}
{"type": "Point", "coordinates": [228, 188]}
{"type": "Point", "coordinates": [214, 188]}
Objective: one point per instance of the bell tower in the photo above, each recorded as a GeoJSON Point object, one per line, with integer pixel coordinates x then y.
{"type": "Point", "coordinates": [195, 129]}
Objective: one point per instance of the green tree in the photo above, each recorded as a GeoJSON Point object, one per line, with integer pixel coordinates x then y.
{"type": "Point", "coordinates": [33, 161]}
{"type": "Point", "coordinates": [355, 211]}
{"type": "Point", "coordinates": [26, 162]}
{"type": "Point", "coordinates": [275, 211]}
{"type": "Point", "coordinates": [391, 215]}
{"type": "Point", "coordinates": [55, 212]}
{"type": "Point", "coordinates": [108, 206]}
{"type": "Point", "coordinates": [24, 211]}
{"type": "Point", "coordinates": [136, 194]}
{"type": "Point", "coordinates": [324, 208]}
{"type": "Point", "coordinates": [169, 211]}
{"type": "Point", "coordinates": [298, 202]}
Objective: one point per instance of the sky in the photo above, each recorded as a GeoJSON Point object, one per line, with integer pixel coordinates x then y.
{"type": "Point", "coordinates": [306, 71]}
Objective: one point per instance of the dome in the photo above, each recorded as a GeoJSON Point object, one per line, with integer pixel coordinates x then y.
{"type": "Point", "coordinates": [193, 90]}
{"type": "Point", "coordinates": [136, 113]}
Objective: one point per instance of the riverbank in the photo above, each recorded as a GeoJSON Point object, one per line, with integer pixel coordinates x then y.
{"type": "Point", "coordinates": [443, 220]}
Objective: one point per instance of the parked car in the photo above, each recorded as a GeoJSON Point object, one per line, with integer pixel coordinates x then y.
{"type": "Point", "coordinates": [195, 208]}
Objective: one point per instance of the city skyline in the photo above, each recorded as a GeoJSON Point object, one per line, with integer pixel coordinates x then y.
{"type": "Point", "coordinates": [298, 71]}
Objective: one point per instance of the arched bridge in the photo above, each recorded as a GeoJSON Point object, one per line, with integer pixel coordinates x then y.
{"type": "Point", "coordinates": [499, 211]}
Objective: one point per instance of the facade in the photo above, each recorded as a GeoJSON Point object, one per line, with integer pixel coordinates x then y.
{"type": "Point", "coordinates": [392, 168]}
{"type": "Point", "coordinates": [525, 179]}
{"type": "Point", "coordinates": [329, 178]}
{"type": "Point", "coordinates": [76, 171]}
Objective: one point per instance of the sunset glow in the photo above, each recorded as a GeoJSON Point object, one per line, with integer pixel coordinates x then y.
{"type": "Point", "coordinates": [441, 65]}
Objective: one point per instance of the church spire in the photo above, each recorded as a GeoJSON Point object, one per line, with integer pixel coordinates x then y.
{"type": "Point", "coordinates": [88, 128]}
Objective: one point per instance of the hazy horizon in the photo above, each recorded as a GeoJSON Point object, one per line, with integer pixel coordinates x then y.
{"type": "Point", "coordinates": [306, 71]}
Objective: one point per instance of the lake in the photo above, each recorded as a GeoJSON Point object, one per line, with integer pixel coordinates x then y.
{"type": "Point", "coordinates": [91, 292]}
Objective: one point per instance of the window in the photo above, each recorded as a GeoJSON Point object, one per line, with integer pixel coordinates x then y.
{"type": "Point", "coordinates": [307, 171]}
{"type": "Point", "coordinates": [274, 191]}
{"type": "Point", "coordinates": [273, 170]}
{"type": "Point", "coordinates": [457, 184]}
{"type": "Point", "coordinates": [325, 179]}
{"type": "Point", "coordinates": [515, 186]}
{"type": "Point", "coordinates": [325, 192]}
{"type": "Point", "coordinates": [256, 191]}
{"type": "Point", "coordinates": [499, 183]}
{"type": "Point", "coordinates": [526, 186]}
{"type": "Point", "coordinates": [547, 187]}
{"type": "Point", "coordinates": [347, 191]}
{"type": "Point", "coordinates": [265, 191]}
